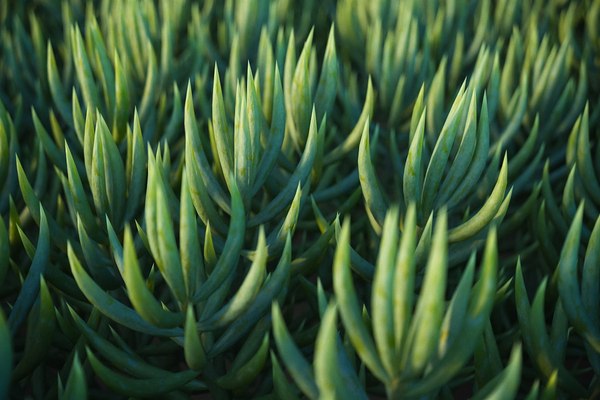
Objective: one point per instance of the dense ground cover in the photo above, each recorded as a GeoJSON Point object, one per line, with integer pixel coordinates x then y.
{"type": "Point", "coordinates": [279, 199]}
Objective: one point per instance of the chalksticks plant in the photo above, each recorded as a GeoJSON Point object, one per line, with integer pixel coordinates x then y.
{"type": "Point", "coordinates": [285, 200]}
{"type": "Point", "coordinates": [413, 353]}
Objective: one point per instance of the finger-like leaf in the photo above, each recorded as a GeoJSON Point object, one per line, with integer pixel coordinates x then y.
{"type": "Point", "coordinates": [425, 327]}
{"type": "Point", "coordinates": [231, 251]}
{"type": "Point", "coordinates": [168, 256]}
{"type": "Point", "coordinates": [53, 151]}
{"type": "Point", "coordinates": [301, 94]}
{"type": "Point", "coordinates": [293, 359]}
{"type": "Point", "coordinates": [480, 306]}
{"type": "Point", "coordinates": [122, 102]}
{"type": "Point", "coordinates": [281, 386]}
{"type": "Point", "coordinates": [543, 352]}
{"type": "Point", "coordinates": [403, 283]}
{"type": "Point", "coordinates": [195, 355]}
{"type": "Point", "coordinates": [223, 137]}
{"type": "Point", "coordinates": [78, 194]}
{"type": "Point", "coordinates": [141, 298]}
{"type": "Point", "coordinates": [31, 284]}
{"type": "Point", "coordinates": [139, 387]}
{"type": "Point", "coordinates": [381, 296]}
{"type": "Point", "coordinates": [486, 213]}
{"type": "Point", "coordinates": [441, 153]}
{"type": "Point", "coordinates": [590, 277]}
{"type": "Point", "coordinates": [353, 139]}
{"type": "Point", "coordinates": [109, 306]}
{"type": "Point", "coordinates": [56, 87]}
{"type": "Point", "coordinates": [463, 156]}
{"type": "Point", "coordinates": [84, 71]}
{"type": "Point", "coordinates": [243, 376]}
{"type": "Point", "coordinates": [350, 309]}
{"type": "Point", "coordinates": [107, 174]}
{"type": "Point", "coordinates": [505, 385]}
{"type": "Point", "coordinates": [479, 158]}
{"type": "Point", "coordinates": [120, 358]}
{"type": "Point", "coordinates": [196, 157]}
{"type": "Point", "coordinates": [276, 138]}
{"type": "Point", "coordinates": [457, 309]}
{"type": "Point", "coordinates": [276, 285]}
{"type": "Point", "coordinates": [584, 159]}
{"type": "Point", "coordinates": [189, 243]}
{"type": "Point", "coordinates": [326, 364]}
{"type": "Point", "coordinates": [412, 182]}
{"type": "Point", "coordinates": [248, 290]}
{"type": "Point", "coordinates": [277, 238]}
{"type": "Point", "coordinates": [369, 183]}
{"type": "Point", "coordinates": [136, 169]}
{"type": "Point", "coordinates": [76, 387]}
{"type": "Point", "coordinates": [41, 327]}
{"type": "Point", "coordinates": [326, 89]}
{"type": "Point", "coordinates": [568, 286]}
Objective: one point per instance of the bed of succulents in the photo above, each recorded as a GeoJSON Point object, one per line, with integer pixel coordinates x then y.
{"type": "Point", "coordinates": [280, 200]}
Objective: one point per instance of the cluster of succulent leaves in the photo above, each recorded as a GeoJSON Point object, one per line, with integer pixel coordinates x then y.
{"type": "Point", "coordinates": [280, 199]}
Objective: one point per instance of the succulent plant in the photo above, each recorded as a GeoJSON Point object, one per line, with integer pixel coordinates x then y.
{"type": "Point", "coordinates": [278, 199]}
